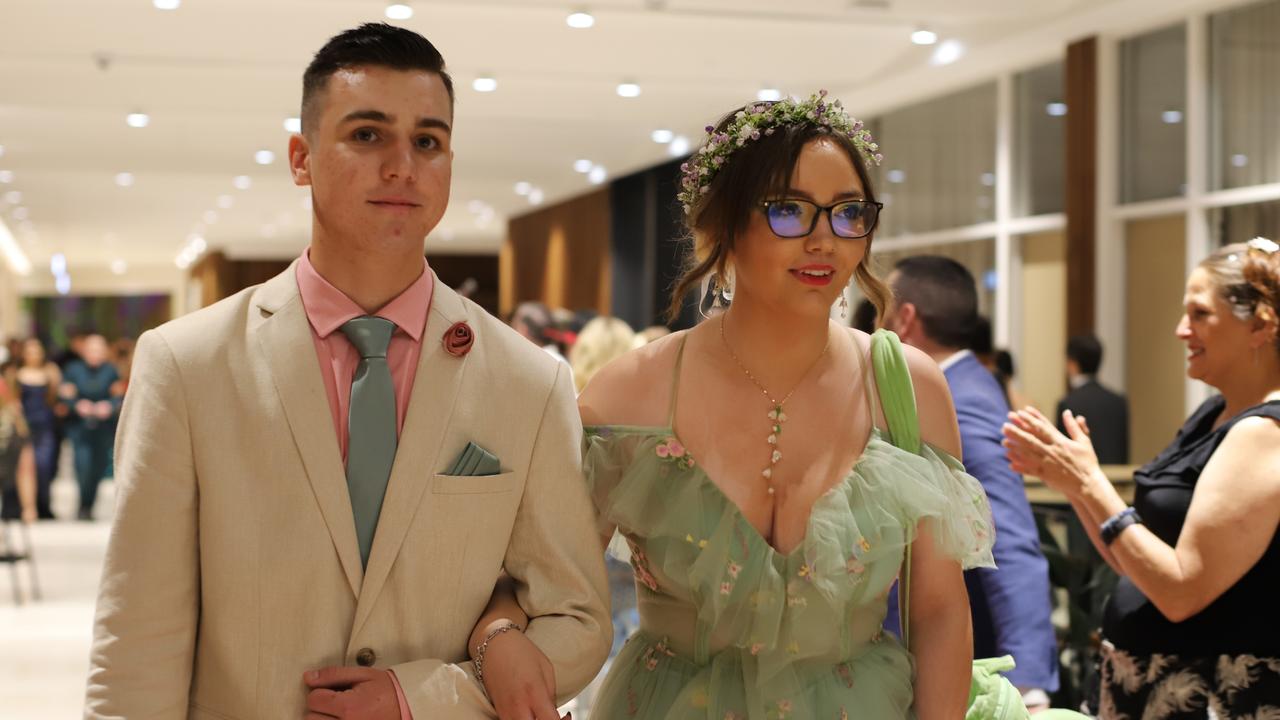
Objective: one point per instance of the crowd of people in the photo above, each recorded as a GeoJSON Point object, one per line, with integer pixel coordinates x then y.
{"type": "Point", "coordinates": [75, 396]}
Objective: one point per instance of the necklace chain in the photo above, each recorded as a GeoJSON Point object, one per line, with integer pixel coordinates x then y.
{"type": "Point", "coordinates": [776, 415]}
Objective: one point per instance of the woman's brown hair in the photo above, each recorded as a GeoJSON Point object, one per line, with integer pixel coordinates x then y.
{"type": "Point", "coordinates": [1248, 279]}
{"type": "Point", "coordinates": [760, 169]}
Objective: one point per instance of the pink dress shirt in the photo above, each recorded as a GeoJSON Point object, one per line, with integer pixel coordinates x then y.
{"type": "Point", "coordinates": [327, 310]}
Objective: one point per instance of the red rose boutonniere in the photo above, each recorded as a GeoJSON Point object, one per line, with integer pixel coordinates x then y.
{"type": "Point", "coordinates": [458, 339]}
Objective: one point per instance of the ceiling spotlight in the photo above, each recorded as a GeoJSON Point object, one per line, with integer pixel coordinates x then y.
{"type": "Point", "coordinates": [523, 188]}
{"type": "Point", "coordinates": [662, 136]}
{"type": "Point", "coordinates": [198, 245]}
{"type": "Point", "coordinates": [484, 83]}
{"type": "Point", "coordinates": [988, 179]}
{"type": "Point", "coordinates": [399, 11]}
{"type": "Point", "coordinates": [242, 182]}
{"type": "Point", "coordinates": [896, 176]}
{"type": "Point", "coordinates": [21, 214]}
{"type": "Point", "coordinates": [13, 197]}
{"type": "Point", "coordinates": [58, 264]}
{"type": "Point", "coordinates": [119, 267]}
{"type": "Point", "coordinates": [628, 89]}
{"type": "Point", "coordinates": [6, 176]}
{"type": "Point", "coordinates": [1171, 117]}
{"type": "Point", "coordinates": [264, 157]}
{"type": "Point", "coordinates": [210, 217]}
{"type": "Point", "coordinates": [582, 166]}
{"type": "Point", "coordinates": [226, 201]}
{"type": "Point", "coordinates": [138, 120]}
{"type": "Point", "coordinates": [947, 52]}
{"type": "Point", "coordinates": [62, 284]}
{"type": "Point", "coordinates": [124, 179]}
{"type": "Point", "coordinates": [475, 206]}
{"type": "Point", "coordinates": [166, 4]}
{"type": "Point", "coordinates": [597, 175]}
{"type": "Point", "coordinates": [1056, 109]}
{"type": "Point", "coordinates": [1239, 160]}
{"type": "Point", "coordinates": [535, 196]}
{"type": "Point", "coordinates": [293, 125]}
{"type": "Point", "coordinates": [768, 94]}
{"type": "Point", "coordinates": [580, 20]}
{"type": "Point", "coordinates": [679, 146]}
{"type": "Point", "coordinates": [924, 37]}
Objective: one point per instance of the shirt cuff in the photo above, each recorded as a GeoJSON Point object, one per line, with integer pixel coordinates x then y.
{"type": "Point", "coordinates": [401, 700]}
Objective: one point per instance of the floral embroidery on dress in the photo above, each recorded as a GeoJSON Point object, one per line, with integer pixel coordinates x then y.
{"type": "Point", "coordinates": [854, 566]}
{"type": "Point", "coordinates": [779, 711]}
{"type": "Point", "coordinates": [864, 544]}
{"type": "Point", "coordinates": [726, 588]}
{"type": "Point", "coordinates": [653, 652]}
{"type": "Point", "coordinates": [734, 569]}
{"type": "Point", "coordinates": [794, 599]}
{"type": "Point", "coordinates": [806, 572]}
{"type": "Point", "coordinates": [845, 673]}
{"type": "Point", "coordinates": [672, 451]}
{"type": "Point", "coordinates": [640, 566]}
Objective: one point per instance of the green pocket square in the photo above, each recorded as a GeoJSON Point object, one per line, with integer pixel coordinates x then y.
{"type": "Point", "coordinates": [475, 461]}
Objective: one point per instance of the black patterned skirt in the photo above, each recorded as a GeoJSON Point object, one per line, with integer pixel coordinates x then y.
{"type": "Point", "coordinates": [1169, 687]}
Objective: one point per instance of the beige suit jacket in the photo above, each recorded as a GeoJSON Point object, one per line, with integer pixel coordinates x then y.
{"type": "Point", "coordinates": [233, 565]}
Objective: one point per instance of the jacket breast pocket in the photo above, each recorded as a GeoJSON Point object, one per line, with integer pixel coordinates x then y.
{"type": "Point", "coordinates": [473, 484]}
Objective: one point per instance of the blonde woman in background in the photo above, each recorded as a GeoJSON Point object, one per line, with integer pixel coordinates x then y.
{"type": "Point", "coordinates": [17, 463]}
{"type": "Point", "coordinates": [600, 342]}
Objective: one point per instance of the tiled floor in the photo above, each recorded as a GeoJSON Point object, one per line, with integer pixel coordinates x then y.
{"type": "Point", "coordinates": [44, 646]}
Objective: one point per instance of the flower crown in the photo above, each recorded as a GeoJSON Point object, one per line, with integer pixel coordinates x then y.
{"type": "Point", "coordinates": [764, 118]}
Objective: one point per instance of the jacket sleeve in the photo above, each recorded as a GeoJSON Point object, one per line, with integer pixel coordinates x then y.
{"type": "Point", "coordinates": [149, 598]}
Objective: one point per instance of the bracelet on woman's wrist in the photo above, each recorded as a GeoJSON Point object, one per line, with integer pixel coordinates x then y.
{"type": "Point", "coordinates": [484, 647]}
{"type": "Point", "coordinates": [1117, 524]}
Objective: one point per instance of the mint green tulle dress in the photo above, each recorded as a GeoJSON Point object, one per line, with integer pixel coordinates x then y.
{"type": "Point", "coordinates": [731, 629]}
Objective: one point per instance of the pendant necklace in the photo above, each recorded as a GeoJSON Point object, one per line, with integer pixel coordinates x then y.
{"type": "Point", "coordinates": [777, 416]}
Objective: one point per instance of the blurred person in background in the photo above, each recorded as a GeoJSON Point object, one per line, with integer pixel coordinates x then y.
{"type": "Point", "coordinates": [74, 350]}
{"type": "Point", "coordinates": [36, 381]}
{"type": "Point", "coordinates": [651, 333]}
{"type": "Point", "coordinates": [602, 340]}
{"type": "Point", "coordinates": [533, 320]}
{"type": "Point", "coordinates": [1190, 630]}
{"type": "Point", "coordinates": [17, 462]}
{"type": "Point", "coordinates": [936, 310]}
{"type": "Point", "coordinates": [90, 391]}
{"type": "Point", "coordinates": [1108, 411]}
{"type": "Point", "coordinates": [864, 316]}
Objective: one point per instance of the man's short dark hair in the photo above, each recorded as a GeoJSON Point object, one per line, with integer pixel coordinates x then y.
{"type": "Point", "coordinates": [945, 297]}
{"type": "Point", "coordinates": [864, 316]}
{"type": "Point", "coordinates": [1086, 351]}
{"type": "Point", "coordinates": [371, 44]}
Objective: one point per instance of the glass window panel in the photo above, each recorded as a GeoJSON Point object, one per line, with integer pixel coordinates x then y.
{"type": "Point", "coordinates": [939, 163]}
{"type": "Point", "coordinates": [1153, 99]}
{"type": "Point", "coordinates": [1244, 57]}
{"type": "Point", "coordinates": [1244, 222]}
{"type": "Point", "coordinates": [1038, 154]}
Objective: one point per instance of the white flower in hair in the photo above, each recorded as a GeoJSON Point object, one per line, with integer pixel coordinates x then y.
{"type": "Point", "coordinates": [1263, 244]}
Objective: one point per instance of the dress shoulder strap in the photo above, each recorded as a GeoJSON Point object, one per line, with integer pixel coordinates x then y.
{"type": "Point", "coordinates": [675, 382]}
{"type": "Point", "coordinates": [897, 396]}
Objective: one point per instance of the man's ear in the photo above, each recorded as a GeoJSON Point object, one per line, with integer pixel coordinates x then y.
{"type": "Point", "coordinates": [300, 160]}
{"type": "Point", "coordinates": [904, 319]}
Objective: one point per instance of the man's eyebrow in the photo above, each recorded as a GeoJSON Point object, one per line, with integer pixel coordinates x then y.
{"type": "Point", "coordinates": [380, 117]}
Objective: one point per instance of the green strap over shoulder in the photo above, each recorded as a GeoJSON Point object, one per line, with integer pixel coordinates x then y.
{"type": "Point", "coordinates": [897, 396]}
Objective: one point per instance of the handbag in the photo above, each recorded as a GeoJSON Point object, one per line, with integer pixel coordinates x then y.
{"type": "Point", "coordinates": [991, 695]}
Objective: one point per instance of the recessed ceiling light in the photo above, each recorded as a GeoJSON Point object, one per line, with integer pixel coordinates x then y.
{"type": "Point", "coordinates": [124, 179]}
{"type": "Point", "coordinates": [988, 179]}
{"type": "Point", "coordinates": [198, 245]}
{"type": "Point", "coordinates": [62, 284]}
{"type": "Point", "coordinates": [293, 125]}
{"type": "Point", "coordinates": [119, 267]}
{"type": "Point", "coordinates": [242, 182]}
{"type": "Point", "coordinates": [1056, 109]}
{"type": "Point", "coordinates": [768, 94]}
{"type": "Point", "coordinates": [210, 217]}
{"type": "Point", "coordinates": [484, 83]}
{"type": "Point", "coordinates": [226, 201]}
{"type": "Point", "coordinates": [523, 188]}
{"type": "Point", "coordinates": [580, 20]}
{"type": "Point", "coordinates": [138, 120]}
{"type": "Point", "coordinates": [21, 214]}
{"type": "Point", "coordinates": [896, 176]}
{"type": "Point", "coordinates": [924, 37]}
{"type": "Point", "coordinates": [399, 11]}
{"type": "Point", "coordinates": [679, 146]}
{"type": "Point", "coordinates": [947, 52]}
{"type": "Point", "coordinates": [535, 196]}
{"type": "Point", "coordinates": [597, 175]}
{"type": "Point", "coordinates": [628, 89]}
{"type": "Point", "coordinates": [1171, 117]}
{"type": "Point", "coordinates": [264, 157]}
{"type": "Point", "coordinates": [6, 176]}
{"type": "Point", "coordinates": [13, 197]}
{"type": "Point", "coordinates": [475, 206]}
{"type": "Point", "coordinates": [58, 264]}
{"type": "Point", "coordinates": [662, 136]}
{"type": "Point", "coordinates": [582, 166]}
{"type": "Point", "coordinates": [1239, 160]}
{"type": "Point", "coordinates": [166, 4]}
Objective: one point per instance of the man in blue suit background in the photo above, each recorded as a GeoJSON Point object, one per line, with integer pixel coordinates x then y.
{"type": "Point", "coordinates": [936, 310]}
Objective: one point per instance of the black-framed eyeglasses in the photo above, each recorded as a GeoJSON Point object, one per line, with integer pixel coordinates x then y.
{"type": "Point", "coordinates": [793, 218]}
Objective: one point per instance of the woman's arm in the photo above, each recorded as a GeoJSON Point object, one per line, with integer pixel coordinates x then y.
{"type": "Point", "coordinates": [941, 631]}
{"type": "Point", "coordinates": [27, 483]}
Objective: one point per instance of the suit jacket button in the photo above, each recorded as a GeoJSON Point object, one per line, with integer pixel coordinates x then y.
{"type": "Point", "coordinates": [366, 657]}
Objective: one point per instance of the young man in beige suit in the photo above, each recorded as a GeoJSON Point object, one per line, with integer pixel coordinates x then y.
{"type": "Point", "coordinates": [323, 477]}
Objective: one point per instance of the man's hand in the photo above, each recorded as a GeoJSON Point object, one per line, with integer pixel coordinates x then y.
{"type": "Point", "coordinates": [351, 694]}
{"type": "Point", "coordinates": [519, 679]}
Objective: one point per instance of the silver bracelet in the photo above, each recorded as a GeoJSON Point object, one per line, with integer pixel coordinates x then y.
{"type": "Point", "coordinates": [484, 646]}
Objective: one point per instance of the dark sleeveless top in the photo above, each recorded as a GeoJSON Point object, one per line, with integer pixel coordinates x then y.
{"type": "Point", "coordinates": [1243, 619]}
{"type": "Point", "coordinates": [35, 405]}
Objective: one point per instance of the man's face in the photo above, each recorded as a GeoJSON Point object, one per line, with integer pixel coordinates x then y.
{"type": "Point", "coordinates": [378, 157]}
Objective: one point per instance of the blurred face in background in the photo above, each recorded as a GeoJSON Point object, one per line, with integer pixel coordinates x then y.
{"type": "Point", "coordinates": [33, 353]}
{"type": "Point", "coordinates": [94, 351]}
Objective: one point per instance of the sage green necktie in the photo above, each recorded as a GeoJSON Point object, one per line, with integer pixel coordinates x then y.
{"type": "Point", "coordinates": [371, 425]}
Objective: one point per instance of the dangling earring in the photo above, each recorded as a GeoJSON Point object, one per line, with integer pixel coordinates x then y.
{"type": "Point", "coordinates": [844, 305]}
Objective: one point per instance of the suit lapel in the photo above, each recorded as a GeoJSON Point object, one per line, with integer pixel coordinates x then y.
{"type": "Point", "coordinates": [286, 347]}
{"type": "Point", "coordinates": [435, 388]}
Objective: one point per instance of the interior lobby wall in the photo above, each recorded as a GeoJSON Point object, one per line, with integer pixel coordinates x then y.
{"type": "Point", "coordinates": [1041, 369]}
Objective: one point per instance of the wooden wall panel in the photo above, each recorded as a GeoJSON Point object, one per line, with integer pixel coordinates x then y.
{"type": "Point", "coordinates": [559, 255]}
{"type": "Point", "coordinates": [1081, 174]}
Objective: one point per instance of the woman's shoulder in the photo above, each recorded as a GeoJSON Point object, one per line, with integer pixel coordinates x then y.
{"type": "Point", "coordinates": [635, 388]}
